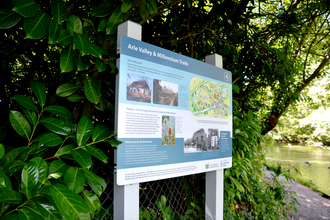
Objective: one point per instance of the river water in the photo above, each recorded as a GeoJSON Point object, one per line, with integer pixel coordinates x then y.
{"type": "Point", "coordinates": [298, 156]}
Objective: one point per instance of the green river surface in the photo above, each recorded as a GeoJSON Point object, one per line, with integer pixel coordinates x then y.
{"type": "Point", "coordinates": [318, 172]}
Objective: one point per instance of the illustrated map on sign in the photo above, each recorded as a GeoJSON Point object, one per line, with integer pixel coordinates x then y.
{"type": "Point", "coordinates": [209, 98]}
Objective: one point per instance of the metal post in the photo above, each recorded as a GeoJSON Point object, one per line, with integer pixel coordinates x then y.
{"type": "Point", "coordinates": [126, 198]}
{"type": "Point", "coordinates": [214, 179]}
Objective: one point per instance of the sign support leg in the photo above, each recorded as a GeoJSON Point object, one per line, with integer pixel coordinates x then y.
{"type": "Point", "coordinates": [126, 198]}
{"type": "Point", "coordinates": [214, 179]}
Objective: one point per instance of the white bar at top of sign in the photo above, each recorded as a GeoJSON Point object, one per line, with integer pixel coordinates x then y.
{"type": "Point", "coordinates": [126, 198]}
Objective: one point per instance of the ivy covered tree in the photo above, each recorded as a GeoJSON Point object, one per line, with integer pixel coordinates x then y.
{"type": "Point", "coordinates": [65, 50]}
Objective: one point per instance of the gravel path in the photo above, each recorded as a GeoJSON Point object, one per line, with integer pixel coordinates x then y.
{"type": "Point", "coordinates": [312, 205]}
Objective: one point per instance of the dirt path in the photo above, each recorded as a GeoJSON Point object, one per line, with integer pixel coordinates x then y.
{"type": "Point", "coordinates": [312, 205]}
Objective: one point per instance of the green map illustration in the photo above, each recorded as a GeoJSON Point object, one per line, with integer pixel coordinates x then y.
{"type": "Point", "coordinates": [209, 98]}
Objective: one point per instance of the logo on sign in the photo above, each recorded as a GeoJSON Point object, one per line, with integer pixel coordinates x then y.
{"type": "Point", "coordinates": [227, 76]}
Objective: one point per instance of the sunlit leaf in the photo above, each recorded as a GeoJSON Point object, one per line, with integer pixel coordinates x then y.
{"type": "Point", "coordinates": [31, 116]}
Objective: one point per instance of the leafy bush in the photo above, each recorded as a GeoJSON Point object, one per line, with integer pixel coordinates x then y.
{"type": "Point", "coordinates": [50, 176]}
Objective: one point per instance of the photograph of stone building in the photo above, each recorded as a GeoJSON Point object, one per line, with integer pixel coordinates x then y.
{"type": "Point", "coordinates": [138, 88]}
{"type": "Point", "coordinates": [165, 93]}
{"type": "Point", "coordinates": [195, 141]}
{"type": "Point", "coordinates": [213, 139]}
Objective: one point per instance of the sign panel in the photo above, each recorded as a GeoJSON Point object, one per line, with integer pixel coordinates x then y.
{"type": "Point", "coordinates": [174, 114]}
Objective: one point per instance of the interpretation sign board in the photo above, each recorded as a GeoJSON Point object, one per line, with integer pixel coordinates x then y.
{"type": "Point", "coordinates": [174, 114]}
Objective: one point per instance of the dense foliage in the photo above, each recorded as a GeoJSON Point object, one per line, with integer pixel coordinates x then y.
{"type": "Point", "coordinates": [274, 49]}
{"type": "Point", "coordinates": [308, 121]}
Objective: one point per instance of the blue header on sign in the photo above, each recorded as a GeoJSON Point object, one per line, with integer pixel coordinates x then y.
{"type": "Point", "coordinates": [145, 51]}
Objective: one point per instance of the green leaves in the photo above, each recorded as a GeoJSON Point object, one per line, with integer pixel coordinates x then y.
{"type": "Point", "coordinates": [92, 201]}
{"type": "Point", "coordinates": [115, 19]}
{"type": "Point", "coordinates": [95, 182]}
{"type": "Point", "coordinates": [97, 153]}
{"type": "Point", "coordinates": [69, 204]}
{"type": "Point", "coordinates": [101, 66]}
{"type": "Point", "coordinates": [50, 140]}
{"type": "Point", "coordinates": [8, 18]}
{"type": "Point", "coordinates": [74, 24]}
{"type": "Point", "coordinates": [55, 125]}
{"type": "Point", "coordinates": [30, 176]}
{"type": "Point", "coordinates": [37, 26]}
{"type": "Point", "coordinates": [54, 31]}
{"type": "Point", "coordinates": [82, 43]}
{"type": "Point", "coordinates": [92, 90]}
{"type": "Point", "coordinates": [84, 130]}
{"type": "Point", "coordinates": [2, 150]}
{"type": "Point", "coordinates": [67, 89]}
{"type": "Point", "coordinates": [8, 195]}
{"type": "Point", "coordinates": [59, 11]}
{"type": "Point", "coordinates": [100, 132]}
{"type": "Point", "coordinates": [74, 178]}
{"type": "Point", "coordinates": [67, 61]}
{"type": "Point", "coordinates": [126, 5]}
{"type": "Point", "coordinates": [60, 111]}
{"type": "Point", "coordinates": [64, 38]}
{"type": "Point", "coordinates": [39, 90]}
{"type": "Point", "coordinates": [26, 102]}
{"type": "Point", "coordinates": [20, 124]}
{"type": "Point", "coordinates": [82, 157]}
{"type": "Point", "coordinates": [26, 8]}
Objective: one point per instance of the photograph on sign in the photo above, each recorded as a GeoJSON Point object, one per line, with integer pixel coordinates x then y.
{"type": "Point", "coordinates": [174, 114]}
